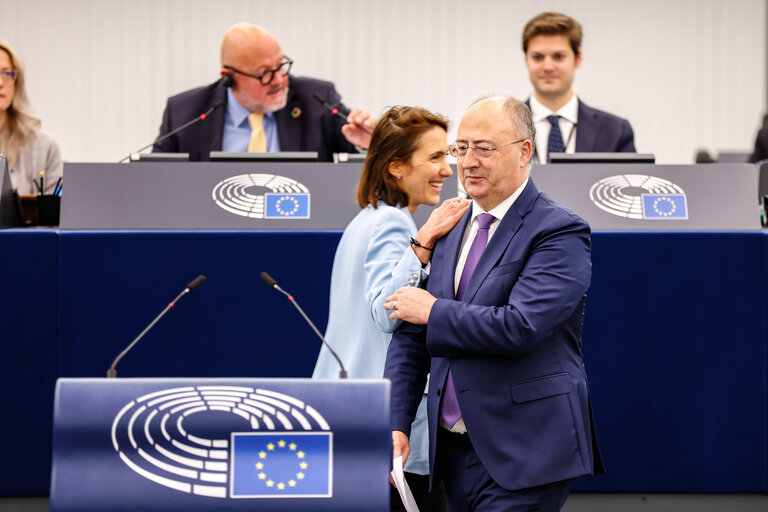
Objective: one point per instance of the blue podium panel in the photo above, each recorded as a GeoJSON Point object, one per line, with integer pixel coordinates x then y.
{"type": "Point", "coordinates": [114, 283]}
{"type": "Point", "coordinates": [28, 316]}
{"type": "Point", "coordinates": [220, 444]}
{"type": "Point", "coordinates": [675, 346]}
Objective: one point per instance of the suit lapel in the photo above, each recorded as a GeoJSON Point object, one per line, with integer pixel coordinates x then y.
{"type": "Point", "coordinates": [586, 130]}
{"type": "Point", "coordinates": [290, 136]}
{"type": "Point", "coordinates": [535, 156]}
{"type": "Point", "coordinates": [501, 239]}
{"type": "Point", "coordinates": [450, 255]}
{"type": "Point", "coordinates": [216, 120]}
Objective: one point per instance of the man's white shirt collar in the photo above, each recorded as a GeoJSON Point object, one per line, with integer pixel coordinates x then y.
{"type": "Point", "coordinates": [569, 111]}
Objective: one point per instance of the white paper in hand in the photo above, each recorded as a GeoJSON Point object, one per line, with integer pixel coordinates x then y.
{"type": "Point", "coordinates": [402, 486]}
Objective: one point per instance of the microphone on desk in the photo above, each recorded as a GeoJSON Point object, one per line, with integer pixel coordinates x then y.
{"type": "Point", "coordinates": [196, 120]}
{"type": "Point", "coordinates": [273, 284]}
{"type": "Point", "coordinates": [112, 372]}
{"type": "Point", "coordinates": [335, 111]}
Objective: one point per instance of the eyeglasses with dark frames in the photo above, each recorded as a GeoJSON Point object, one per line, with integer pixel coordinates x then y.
{"type": "Point", "coordinates": [10, 74]}
{"type": "Point", "coordinates": [266, 76]}
{"type": "Point", "coordinates": [459, 149]}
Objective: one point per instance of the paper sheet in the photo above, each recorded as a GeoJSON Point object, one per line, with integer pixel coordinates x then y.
{"type": "Point", "coordinates": [402, 486]}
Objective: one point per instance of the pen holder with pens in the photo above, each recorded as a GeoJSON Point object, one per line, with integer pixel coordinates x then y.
{"type": "Point", "coordinates": [38, 210]}
{"type": "Point", "coordinates": [48, 209]}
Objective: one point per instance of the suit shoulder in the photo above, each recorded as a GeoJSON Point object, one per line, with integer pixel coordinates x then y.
{"type": "Point", "coordinates": [557, 214]}
{"type": "Point", "coordinates": [196, 96]}
{"type": "Point", "coordinates": [601, 115]}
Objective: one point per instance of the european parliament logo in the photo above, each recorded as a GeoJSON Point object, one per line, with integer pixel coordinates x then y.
{"type": "Point", "coordinates": [665, 206]}
{"type": "Point", "coordinates": [227, 442]}
{"type": "Point", "coordinates": [286, 206]}
{"type": "Point", "coordinates": [245, 195]}
{"type": "Point", "coordinates": [276, 465]}
{"type": "Point", "coordinates": [640, 196]}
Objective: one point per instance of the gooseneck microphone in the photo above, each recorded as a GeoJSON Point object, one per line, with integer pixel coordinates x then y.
{"type": "Point", "coordinates": [197, 119]}
{"type": "Point", "coordinates": [273, 284]}
{"type": "Point", "coordinates": [335, 111]}
{"type": "Point", "coordinates": [112, 372]}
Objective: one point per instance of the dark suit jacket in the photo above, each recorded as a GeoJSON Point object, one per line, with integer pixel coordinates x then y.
{"type": "Point", "coordinates": [601, 132]}
{"type": "Point", "coordinates": [514, 346]}
{"type": "Point", "coordinates": [761, 144]}
{"type": "Point", "coordinates": [302, 125]}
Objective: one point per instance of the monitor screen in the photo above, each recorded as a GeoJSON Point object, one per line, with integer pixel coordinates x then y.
{"type": "Point", "coordinates": [9, 206]}
{"type": "Point", "coordinates": [283, 156]}
{"type": "Point", "coordinates": [160, 157]}
{"type": "Point", "coordinates": [602, 158]}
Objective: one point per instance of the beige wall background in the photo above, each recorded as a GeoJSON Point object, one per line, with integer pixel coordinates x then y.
{"type": "Point", "coordinates": [688, 74]}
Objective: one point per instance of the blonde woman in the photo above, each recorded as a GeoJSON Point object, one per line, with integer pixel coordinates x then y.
{"type": "Point", "coordinates": [28, 150]}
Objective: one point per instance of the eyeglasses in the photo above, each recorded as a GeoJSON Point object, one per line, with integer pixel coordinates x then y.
{"type": "Point", "coordinates": [459, 149]}
{"type": "Point", "coordinates": [9, 74]}
{"type": "Point", "coordinates": [266, 77]}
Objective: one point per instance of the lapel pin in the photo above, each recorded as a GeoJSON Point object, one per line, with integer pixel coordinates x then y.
{"type": "Point", "coordinates": [296, 112]}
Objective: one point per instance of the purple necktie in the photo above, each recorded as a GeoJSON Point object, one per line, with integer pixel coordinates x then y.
{"type": "Point", "coordinates": [449, 410]}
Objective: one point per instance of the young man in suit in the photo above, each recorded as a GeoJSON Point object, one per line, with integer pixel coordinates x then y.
{"type": "Point", "coordinates": [264, 108]}
{"type": "Point", "coordinates": [498, 330]}
{"type": "Point", "coordinates": [552, 47]}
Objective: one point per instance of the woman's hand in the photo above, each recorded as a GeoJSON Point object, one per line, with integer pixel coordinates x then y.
{"type": "Point", "coordinates": [440, 222]}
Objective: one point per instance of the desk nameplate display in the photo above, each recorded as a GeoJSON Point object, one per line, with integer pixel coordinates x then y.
{"type": "Point", "coordinates": [215, 196]}
{"type": "Point", "coordinates": [220, 444]}
{"type": "Point", "coordinates": [646, 197]}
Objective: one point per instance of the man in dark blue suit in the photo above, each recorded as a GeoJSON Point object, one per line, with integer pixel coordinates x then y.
{"type": "Point", "coordinates": [552, 47]}
{"type": "Point", "coordinates": [264, 108]}
{"type": "Point", "coordinates": [498, 329]}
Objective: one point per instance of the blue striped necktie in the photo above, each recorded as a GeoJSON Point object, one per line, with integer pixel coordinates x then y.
{"type": "Point", "coordinates": [555, 140]}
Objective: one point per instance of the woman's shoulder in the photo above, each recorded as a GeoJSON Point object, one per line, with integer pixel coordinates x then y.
{"type": "Point", "coordinates": [40, 141]}
{"type": "Point", "coordinates": [394, 214]}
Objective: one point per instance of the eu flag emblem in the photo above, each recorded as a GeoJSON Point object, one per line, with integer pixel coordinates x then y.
{"type": "Point", "coordinates": [665, 206]}
{"type": "Point", "coordinates": [282, 464]}
{"type": "Point", "coordinates": [286, 206]}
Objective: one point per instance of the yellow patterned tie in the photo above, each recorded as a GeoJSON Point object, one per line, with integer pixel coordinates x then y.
{"type": "Point", "coordinates": [258, 142]}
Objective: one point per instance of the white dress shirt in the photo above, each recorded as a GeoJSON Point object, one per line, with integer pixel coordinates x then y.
{"type": "Point", "coordinates": [569, 114]}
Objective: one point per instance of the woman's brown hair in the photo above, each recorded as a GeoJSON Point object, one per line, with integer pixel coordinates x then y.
{"type": "Point", "coordinates": [395, 139]}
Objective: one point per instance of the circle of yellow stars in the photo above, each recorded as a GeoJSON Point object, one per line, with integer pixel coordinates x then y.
{"type": "Point", "coordinates": [300, 455]}
{"type": "Point", "coordinates": [279, 205]}
{"type": "Point", "coordinates": [666, 200]}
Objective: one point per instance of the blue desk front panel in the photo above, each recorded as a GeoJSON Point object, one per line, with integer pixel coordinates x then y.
{"type": "Point", "coordinates": [114, 283]}
{"type": "Point", "coordinates": [28, 316]}
{"type": "Point", "coordinates": [674, 338]}
{"type": "Point", "coordinates": [675, 348]}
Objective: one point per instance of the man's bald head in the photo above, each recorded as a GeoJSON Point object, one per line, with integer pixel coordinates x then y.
{"type": "Point", "coordinates": [247, 52]}
{"type": "Point", "coordinates": [244, 43]}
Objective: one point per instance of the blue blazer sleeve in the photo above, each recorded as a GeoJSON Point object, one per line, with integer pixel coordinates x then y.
{"type": "Point", "coordinates": [390, 263]}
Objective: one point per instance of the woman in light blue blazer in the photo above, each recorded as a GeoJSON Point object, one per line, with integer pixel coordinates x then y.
{"type": "Point", "coordinates": [381, 251]}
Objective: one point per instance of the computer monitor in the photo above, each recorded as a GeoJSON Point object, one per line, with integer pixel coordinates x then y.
{"type": "Point", "coordinates": [762, 180]}
{"type": "Point", "coordinates": [602, 158]}
{"type": "Point", "coordinates": [160, 157]}
{"type": "Point", "coordinates": [349, 158]}
{"type": "Point", "coordinates": [733, 157]}
{"type": "Point", "coordinates": [282, 156]}
{"type": "Point", "coordinates": [9, 207]}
